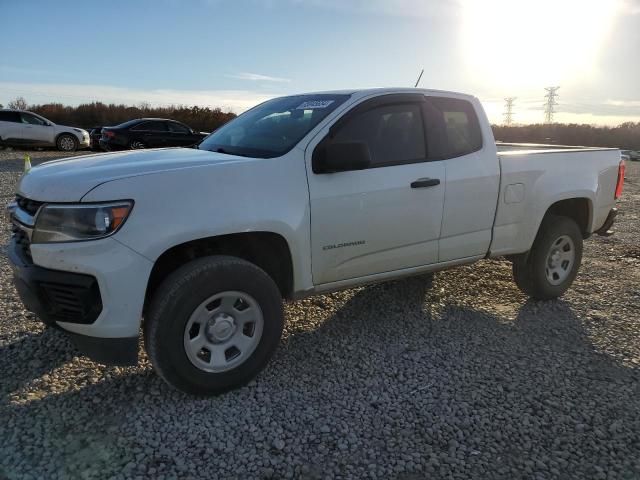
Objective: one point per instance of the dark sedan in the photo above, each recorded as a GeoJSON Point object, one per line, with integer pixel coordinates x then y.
{"type": "Point", "coordinates": [149, 133]}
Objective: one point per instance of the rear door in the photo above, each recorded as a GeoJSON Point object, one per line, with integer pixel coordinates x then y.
{"type": "Point", "coordinates": [10, 127]}
{"type": "Point", "coordinates": [372, 221]}
{"type": "Point", "coordinates": [36, 131]}
{"type": "Point", "coordinates": [455, 135]}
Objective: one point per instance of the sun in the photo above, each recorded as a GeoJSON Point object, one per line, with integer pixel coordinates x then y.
{"type": "Point", "coordinates": [528, 43]}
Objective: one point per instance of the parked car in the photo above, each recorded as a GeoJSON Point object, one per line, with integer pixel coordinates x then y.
{"type": "Point", "coordinates": [297, 196]}
{"type": "Point", "coordinates": [149, 133]}
{"type": "Point", "coordinates": [94, 138]}
{"type": "Point", "coordinates": [632, 154]}
{"type": "Point", "coordinates": [19, 128]}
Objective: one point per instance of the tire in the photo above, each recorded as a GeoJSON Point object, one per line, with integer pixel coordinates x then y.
{"type": "Point", "coordinates": [137, 145]}
{"type": "Point", "coordinates": [554, 260]}
{"type": "Point", "coordinates": [173, 321]}
{"type": "Point", "coordinates": [67, 143]}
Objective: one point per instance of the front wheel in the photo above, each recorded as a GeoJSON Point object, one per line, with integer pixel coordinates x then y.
{"type": "Point", "coordinates": [67, 143]}
{"type": "Point", "coordinates": [554, 260]}
{"type": "Point", "coordinates": [213, 325]}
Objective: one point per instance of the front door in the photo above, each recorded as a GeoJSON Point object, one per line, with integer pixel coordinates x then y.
{"type": "Point", "coordinates": [383, 218]}
{"type": "Point", "coordinates": [179, 135]}
{"type": "Point", "coordinates": [35, 131]}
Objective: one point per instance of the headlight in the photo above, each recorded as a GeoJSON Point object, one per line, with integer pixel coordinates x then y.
{"type": "Point", "coordinates": [72, 223]}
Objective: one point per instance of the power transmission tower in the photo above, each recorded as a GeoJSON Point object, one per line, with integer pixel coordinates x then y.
{"type": "Point", "coordinates": [550, 97]}
{"type": "Point", "coordinates": [508, 110]}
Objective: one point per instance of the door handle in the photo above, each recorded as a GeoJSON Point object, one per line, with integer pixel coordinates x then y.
{"type": "Point", "coordinates": [425, 182]}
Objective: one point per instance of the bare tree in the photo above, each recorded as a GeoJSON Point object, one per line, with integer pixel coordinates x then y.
{"type": "Point", "coordinates": [18, 103]}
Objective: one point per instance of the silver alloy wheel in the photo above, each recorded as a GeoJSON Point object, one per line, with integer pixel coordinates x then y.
{"type": "Point", "coordinates": [560, 260]}
{"type": "Point", "coordinates": [137, 145]}
{"type": "Point", "coordinates": [67, 144]}
{"type": "Point", "coordinates": [223, 331]}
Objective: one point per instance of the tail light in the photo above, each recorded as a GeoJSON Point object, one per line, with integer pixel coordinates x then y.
{"type": "Point", "coordinates": [108, 134]}
{"type": "Point", "coordinates": [620, 182]}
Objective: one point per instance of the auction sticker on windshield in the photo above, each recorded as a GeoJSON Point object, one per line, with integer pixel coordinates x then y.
{"type": "Point", "coordinates": [314, 104]}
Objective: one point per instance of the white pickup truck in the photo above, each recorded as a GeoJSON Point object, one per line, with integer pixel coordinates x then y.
{"type": "Point", "coordinates": [300, 195]}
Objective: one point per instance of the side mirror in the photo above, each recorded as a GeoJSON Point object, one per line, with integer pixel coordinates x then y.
{"type": "Point", "coordinates": [341, 157]}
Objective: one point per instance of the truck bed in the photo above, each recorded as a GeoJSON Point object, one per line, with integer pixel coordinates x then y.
{"type": "Point", "coordinates": [535, 176]}
{"type": "Point", "coordinates": [515, 148]}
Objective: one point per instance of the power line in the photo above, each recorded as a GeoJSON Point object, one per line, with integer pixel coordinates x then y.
{"type": "Point", "coordinates": [508, 110]}
{"type": "Point", "coordinates": [551, 97]}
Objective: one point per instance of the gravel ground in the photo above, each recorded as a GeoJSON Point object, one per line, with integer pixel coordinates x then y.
{"type": "Point", "coordinates": [462, 377]}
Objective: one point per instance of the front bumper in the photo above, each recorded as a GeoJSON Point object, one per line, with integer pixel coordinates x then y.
{"type": "Point", "coordinates": [54, 295]}
{"type": "Point", "coordinates": [93, 290]}
{"type": "Point", "coordinates": [83, 141]}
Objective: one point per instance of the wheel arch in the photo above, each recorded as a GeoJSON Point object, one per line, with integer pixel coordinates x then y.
{"type": "Point", "coordinates": [58, 135]}
{"type": "Point", "coordinates": [579, 209]}
{"type": "Point", "coordinates": [269, 251]}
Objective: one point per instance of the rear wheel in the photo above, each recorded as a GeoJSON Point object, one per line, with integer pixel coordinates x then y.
{"type": "Point", "coordinates": [67, 143]}
{"type": "Point", "coordinates": [554, 260]}
{"type": "Point", "coordinates": [213, 325]}
{"type": "Point", "coordinates": [137, 145]}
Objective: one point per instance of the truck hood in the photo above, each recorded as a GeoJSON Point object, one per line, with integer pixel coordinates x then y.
{"type": "Point", "coordinates": [68, 180]}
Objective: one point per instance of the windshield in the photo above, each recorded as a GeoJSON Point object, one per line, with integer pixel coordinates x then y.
{"type": "Point", "coordinates": [272, 128]}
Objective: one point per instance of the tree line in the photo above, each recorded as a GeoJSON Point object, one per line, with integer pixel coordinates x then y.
{"type": "Point", "coordinates": [98, 114]}
{"type": "Point", "coordinates": [87, 115]}
{"type": "Point", "coordinates": [625, 136]}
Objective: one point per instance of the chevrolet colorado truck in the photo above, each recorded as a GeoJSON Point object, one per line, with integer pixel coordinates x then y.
{"type": "Point", "coordinates": [300, 195]}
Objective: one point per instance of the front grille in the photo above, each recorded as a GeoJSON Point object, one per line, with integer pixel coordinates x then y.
{"type": "Point", "coordinates": [29, 206]}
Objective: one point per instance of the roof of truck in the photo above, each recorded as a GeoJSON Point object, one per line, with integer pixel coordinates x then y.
{"type": "Point", "coordinates": [373, 91]}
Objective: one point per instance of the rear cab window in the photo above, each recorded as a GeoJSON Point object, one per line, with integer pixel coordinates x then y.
{"type": "Point", "coordinates": [452, 126]}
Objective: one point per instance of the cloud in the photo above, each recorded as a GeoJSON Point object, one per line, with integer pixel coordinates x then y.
{"type": "Point", "coordinates": [396, 8]}
{"type": "Point", "coordinates": [32, 71]}
{"type": "Point", "coordinates": [631, 6]}
{"type": "Point", "coordinates": [404, 8]}
{"type": "Point", "coordinates": [570, 110]}
{"type": "Point", "coordinates": [256, 77]}
{"type": "Point", "coordinates": [233, 100]}
{"type": "Point", "coordinates": [620, 108]}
